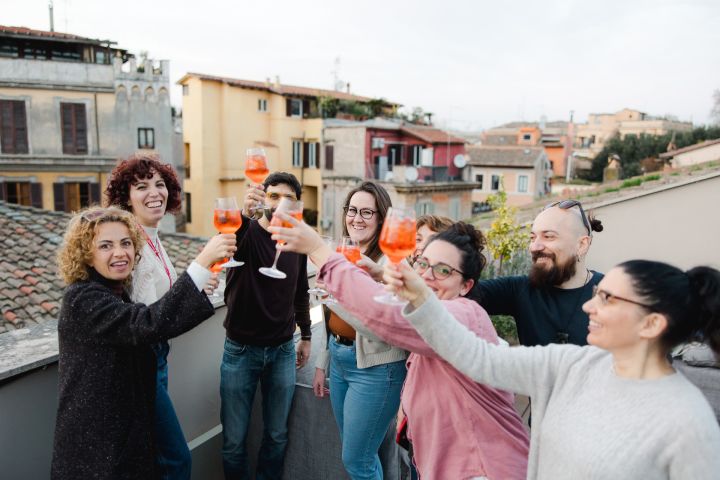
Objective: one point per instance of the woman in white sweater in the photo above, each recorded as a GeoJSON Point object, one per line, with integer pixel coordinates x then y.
{"type": "Point", "coordinates": [148, 188]}
{"type": "Point", "coordinates": [615, 409]}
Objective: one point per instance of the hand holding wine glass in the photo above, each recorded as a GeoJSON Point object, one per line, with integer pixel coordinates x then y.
{"type": "Point", "coordinates": [256, 169]}
{"type": "Point", "coordinates": [227, 219]}
{"type": "Point", "coordinates": [293, 208]}
{"type": "Point", "coordinates": [397, 241]}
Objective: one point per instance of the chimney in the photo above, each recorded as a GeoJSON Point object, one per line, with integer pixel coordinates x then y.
{"type": "Point", "coordinates": [267, 82]}
{"type": "Point", "coordinates": [277, 81]}
{"type": "Point", "coordinates": [347, 87]}
{"type": "Point", "coordinates": [52, 20]}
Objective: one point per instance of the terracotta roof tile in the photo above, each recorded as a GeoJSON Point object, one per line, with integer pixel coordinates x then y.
{"type": "Point", "coordinates": [431, 135]}
{"type": "Point", "coordinates": [509, 156]}
{"type": "Point", "coordinates": [30, 289]}
{"type": "Point", "coordinates": [29, 32]}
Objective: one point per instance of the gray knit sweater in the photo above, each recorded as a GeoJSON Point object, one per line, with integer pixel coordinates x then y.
{"type": "Point", "coordinates": [587, 423]}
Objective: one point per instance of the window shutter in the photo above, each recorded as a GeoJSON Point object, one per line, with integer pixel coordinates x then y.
{"type": "Point", "coordinates": [306, 154]}
{"type": "Point", "coordinates": [317, 155]}
{"type": "Point", "coordinates": [3, 191]}
{"type": "Point", "coordinates": [288, 107]}
{"type": "Point", "coordinates": [329, 157]}
{"type": "Point", "coordinates": [66, 123]}
{"type": "Point", "coordinates": [20, 124]}
{"type": "Point", "coordinates": [81, 145]}
{"type": "Point", "coordinates": [94, 190]}
{"type": "Point", "coordinates": [6, 129]}
{"type": "Point", "coordinates": [59, 196]}
{"type": "Point", "coordinates": [36, 195]}
{"type": "Point", "coordinates": [306, 108]}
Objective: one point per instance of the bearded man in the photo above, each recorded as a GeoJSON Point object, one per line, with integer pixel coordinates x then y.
{"type": "Point", "coordinates": [547, 303]}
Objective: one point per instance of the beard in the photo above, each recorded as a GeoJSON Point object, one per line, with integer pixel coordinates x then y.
{"type": "Point", "coordinates": [542, 276]}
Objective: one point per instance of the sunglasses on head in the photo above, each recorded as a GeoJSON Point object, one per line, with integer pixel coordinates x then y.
{"type": "Point", "coordinates": [566, 204]}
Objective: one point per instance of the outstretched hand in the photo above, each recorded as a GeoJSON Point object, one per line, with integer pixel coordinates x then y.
{"type": "Point", "coordinates": [375, 270]}
{"type": "Point", "coordinates": [402, 280]}
{"type": "Point", "coordinates": [300, 238]}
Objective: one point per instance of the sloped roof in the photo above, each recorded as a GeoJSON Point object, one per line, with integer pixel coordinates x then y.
{"type": "Point", "coordinates": [30, 288]}
{"type": "Point", "coordinates": [510, 156]}
{"type": "Point", "coordinates": [690, 148]}
{"type": "Point", "coordinates": [25, 32]}
{"type": "Point", "coordinates": [431, 135]}
{"type": "Point", "coordinates": [280, 89]}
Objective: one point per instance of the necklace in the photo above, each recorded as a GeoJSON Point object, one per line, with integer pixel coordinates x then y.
{"type": "Point", "coordinates": [563, 336]}
{"type": "Point", "coordinates": [158, 254]}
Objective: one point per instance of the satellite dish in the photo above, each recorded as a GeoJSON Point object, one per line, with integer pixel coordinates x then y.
{"type": "Point", "coordinates": [459, 161]}
{"type": "Point", "coordinates": [411, 174]}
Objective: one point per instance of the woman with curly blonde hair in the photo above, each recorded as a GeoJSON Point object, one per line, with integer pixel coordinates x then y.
{"type": "Point", "coordinates": [105, 418]}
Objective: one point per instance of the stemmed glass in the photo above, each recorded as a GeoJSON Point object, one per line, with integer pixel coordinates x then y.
{"type": "Point", "coordinates": [216, 268]}
{"type": "Point", "coordinates": [322, 295]}
{"type": "Point", "coordinates": [397, 241]}
{"type": "Point", "coordinates": [256, 168]}
{"type": "Point", "coordinates": [350, 249]}
{"type": "Point", "coordinates": [227, 219]}
{"type": "Point", "coordinates": [294, 208]}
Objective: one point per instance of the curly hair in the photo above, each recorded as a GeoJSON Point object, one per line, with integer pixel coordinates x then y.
{"type": "Point", "coordinates": [76, 252]}
{"type": "Point", "coordinates": [142, 166]}
{"type": "Point", "coordinates": [436, 223]}
{"type": "Point", "coordinates": [470, 242]}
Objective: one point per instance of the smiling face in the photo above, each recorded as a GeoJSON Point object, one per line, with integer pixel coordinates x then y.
{"type": "Point", "coordinates": [113, 251]}
{"type": "Point", "coordinates": [618, 324]}
{"type": "Point", "coordinates": [148, 200]}
{"type": "Point", "coordinates": [440, 251]}
{"type": "Point", "coordinates": [555, 242]}
{"type": "Point", "coordinates": [360, 229]}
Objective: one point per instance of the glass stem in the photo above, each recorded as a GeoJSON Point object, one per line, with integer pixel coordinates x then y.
{"type": "Point", "coordinates": [277, 255]}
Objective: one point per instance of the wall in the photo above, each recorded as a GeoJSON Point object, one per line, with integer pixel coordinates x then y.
{"type": "Point", "coordinates": [509, 181]}
{"type": "Point", "coordinates": [671, 225]}
{"type": "Point", "coordinates": [701, 155]}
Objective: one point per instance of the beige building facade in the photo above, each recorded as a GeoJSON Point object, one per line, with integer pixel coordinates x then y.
{"type": "Point", "coordinates": [708, 151]}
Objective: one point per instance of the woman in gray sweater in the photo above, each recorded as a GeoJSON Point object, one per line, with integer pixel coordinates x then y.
{"type": "Point", "coordinates": [615, 409]}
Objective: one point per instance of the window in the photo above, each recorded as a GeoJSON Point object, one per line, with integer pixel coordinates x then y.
{"type": "Point", "coordinates": [146, 138]}
{"type": "Point", "coordinates": [424, 208]}
{"type": "Point", "coordinates": [329, 157]}
{"type": "Point", "coordinates": [455, 208]}
{"type": "Point", "coordinates": [13, 126]}
{"type": "Point", "coordinates": [479, 179]}
{"type": "Point", "coordinates": [186, 160]}
{"type": "Point", "coordinates": [297, 153]}
{"type": "Point", "coordinates": [495, 182]}
{"type": "Point", "coordinates": [262, 105]}
{"type": "Point", "coordinates": [522, 183]}
{"type": "Point", "coordinates": [312, 156]}
{"type": "Point", "coordinates": [188, 208]}
{"type": "Point", "coordinates": [416, 155]}
{"type": "Point", "coordinates": [527, 136]}
{"type": "Point", "coordinates": [73, 196]}
{"type": "Point", "coordinates": [74, 128]}
{"type": "Point", "coordinates": [294, 107]}
{"type": "Point", "coordinates": [186, 90]}
{"type": "Point", "coordinates": [22, 193]}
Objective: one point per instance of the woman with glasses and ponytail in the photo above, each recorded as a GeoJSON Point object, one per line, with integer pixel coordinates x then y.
{"type": "Point", "coordinates": [458, 428]}
{"type": "Point", "coordinates": [366, 374]}
{"type": "Point", "coordinates": [616, 409]}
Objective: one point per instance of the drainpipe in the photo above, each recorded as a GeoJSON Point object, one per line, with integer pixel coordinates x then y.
{"type": "Point", "coordinates": [97, 128]}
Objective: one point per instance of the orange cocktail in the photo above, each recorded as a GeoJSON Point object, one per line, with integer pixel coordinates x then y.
{"type": "Point", "coordinates": [397, 239]}
{"type": "Point", "coordinates": [256, 168]}
{"type": "Point", "coordinates": [226, 221]}
{"type": "Point", "coordinates": [351, 252]}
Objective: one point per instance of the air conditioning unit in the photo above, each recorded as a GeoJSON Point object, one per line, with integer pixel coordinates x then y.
{"type": "Point", "coordinates": [378, 143]}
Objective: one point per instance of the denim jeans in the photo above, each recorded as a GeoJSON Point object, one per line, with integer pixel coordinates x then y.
{"type": "Point", "coordinates": [364, 401]}
{"type": "Point", "coordinates": [241, 369]}
{"type": "Point", "coordinates": [174, 459]}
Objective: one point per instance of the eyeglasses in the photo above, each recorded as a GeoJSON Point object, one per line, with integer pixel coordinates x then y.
{"type": "Point", "coordinates": [365, 213]}
{"type": "Point", "coordinates": [440, 271]}
{"type": "Point", "coordinates": [566, 204]}
{"type": "Point", "coordinates": [605, 297]}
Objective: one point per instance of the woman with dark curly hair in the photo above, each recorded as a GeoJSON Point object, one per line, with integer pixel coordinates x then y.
{"type": "Point", "coordinates": [149, 188]}
{"type": "Point", "coordinates": [107, 369]}
{"type": "Point", "coordinates": [463, 429]}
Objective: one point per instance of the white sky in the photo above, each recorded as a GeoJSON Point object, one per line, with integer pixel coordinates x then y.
{"type": "Point", "coordinates": [474, 64]}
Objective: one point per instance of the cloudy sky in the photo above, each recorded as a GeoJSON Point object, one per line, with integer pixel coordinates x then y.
{"type": "Point", "coordinates": [474, 64]}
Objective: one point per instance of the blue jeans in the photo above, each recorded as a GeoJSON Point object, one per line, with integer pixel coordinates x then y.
{"type": "Point", "coordinates": [174, 459]}
{"type": "Point", "coordinates": [241, 369]}
{"type": "Point", "coordinates": [364, 401]}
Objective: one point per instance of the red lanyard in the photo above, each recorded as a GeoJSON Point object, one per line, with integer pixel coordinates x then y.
{"type": "Point", "coordinates": [158, 254]}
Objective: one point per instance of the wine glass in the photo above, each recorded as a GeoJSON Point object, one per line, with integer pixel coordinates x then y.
{"type": "Point", "coordinates": [316, 291]}
{"type": "Point", "coordinates": [216, 268]}
{"type": "Point", "coordinates": [350, 249]}
{"type": "Point", "coordinates": [256, 168]}
{"type": "Point", "coordinates": [294, 208]}
{"type": "Point", "coordinates": [227, 219]}
{"type": "Point", "coordinates": [397, 241]}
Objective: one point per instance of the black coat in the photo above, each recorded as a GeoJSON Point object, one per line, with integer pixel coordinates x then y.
{"type": "Point", "coordinates": [107, 375]}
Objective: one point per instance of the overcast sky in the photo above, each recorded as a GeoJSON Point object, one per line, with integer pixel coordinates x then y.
{"type": "Point", "coordinates": [474, 64]}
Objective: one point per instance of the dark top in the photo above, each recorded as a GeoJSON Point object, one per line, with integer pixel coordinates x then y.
{"type": "Point", "coordinates": [107, 373]}
{"type": "Point", "coordinates": [263, 311]}
{"type": "Point", "coordinates": [543, 316]}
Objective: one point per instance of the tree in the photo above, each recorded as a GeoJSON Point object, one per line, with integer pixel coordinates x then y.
{"type": "Point", "coordinates": [715, 112]}
{"type": "Point", "coordinates": [506, 238]}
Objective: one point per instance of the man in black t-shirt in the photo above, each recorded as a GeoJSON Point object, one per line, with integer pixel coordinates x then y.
{"type": "Point", "coordinates": [262, 313]}
{"type": "Point", "coordinates": [547, 303]}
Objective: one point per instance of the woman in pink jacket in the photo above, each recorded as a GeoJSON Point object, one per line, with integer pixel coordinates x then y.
{"type": "Point", "coordinates": [458, 428]}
